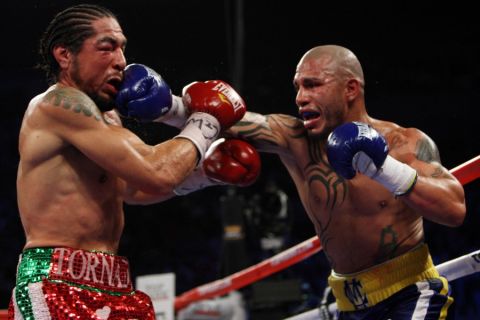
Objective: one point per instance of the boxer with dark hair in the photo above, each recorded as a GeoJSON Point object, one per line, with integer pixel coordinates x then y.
{"type": "Point", "coordinates": [78, 166]}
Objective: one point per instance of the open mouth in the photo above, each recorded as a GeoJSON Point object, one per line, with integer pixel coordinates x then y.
{"type": "Point", "coordinates": [309, 115]}
{"type": "Point", "coordinates": [309, 118]}
{"type": "Point", "coordinates": [115, 82]}
{"type": "Point", "coordinates": [114, 85]}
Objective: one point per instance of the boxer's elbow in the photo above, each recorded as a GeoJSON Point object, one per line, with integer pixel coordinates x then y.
{"type": "Point", "coordinates": [458, 214]}
{"type": "Point", "coordinates": [155, 181]}
{"type": "Point", "coordinates": [458, 208]}
{"type": "Point", "coordinates": [161, 182]}
{"type": "Point", "coordinates": [455, 215]}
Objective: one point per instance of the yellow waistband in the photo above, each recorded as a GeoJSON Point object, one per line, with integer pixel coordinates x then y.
{"type": "Point", "coordinates": [367, 288]}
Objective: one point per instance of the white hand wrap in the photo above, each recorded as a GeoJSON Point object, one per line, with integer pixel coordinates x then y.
{"type": "Point", "coordinates": [195, 181]}
{"type": "Point", "coordinates": [176, 116]}
{"type": "Point", "coordinates": [202, 129]}
{"type": "Point", "coordinates": [398, 177]}
{"type": "Point", "coordinates": [198, 179]}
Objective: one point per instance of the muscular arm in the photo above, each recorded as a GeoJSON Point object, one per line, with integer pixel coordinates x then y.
{"type": "Point", "coordinates": [132, 195]}
{"type": "Point", "coordinates": [437, 195]}
{"type": "Point", "coordinates": [155, 170]}
{"type": "Point", "coordinates": [268, 133]}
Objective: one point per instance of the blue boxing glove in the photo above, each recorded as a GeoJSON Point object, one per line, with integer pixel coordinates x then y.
{"type": "Point", "coordinates": [357, 146]}
{"type": "Point", "coordinates": [349, 139]}
{"type": "Point", "coordinates": [143, 94]}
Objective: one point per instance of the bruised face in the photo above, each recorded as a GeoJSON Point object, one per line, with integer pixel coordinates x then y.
{"type": "Point", "coordinates": [320, 95]}
{"type": "Point", "coordinates": [97, 68]}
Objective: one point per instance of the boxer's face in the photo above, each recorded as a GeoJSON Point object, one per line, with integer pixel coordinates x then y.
{"type": "Point", "coordinates": [97, 68]}
{"type": "Point", "coordinates": [319, 96]}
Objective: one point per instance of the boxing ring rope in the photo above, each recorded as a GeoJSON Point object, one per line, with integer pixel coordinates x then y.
{"type": "Point", "coordinates": [465, 173]}
{"type": "Point", "coordinates": [258, 271]}
{"type": "Point", "coordinates": [468, 171]}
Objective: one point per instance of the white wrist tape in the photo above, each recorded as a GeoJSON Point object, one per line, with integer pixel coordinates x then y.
{"type": "Point", "coordinates": [202, 129]}
{"type": "Point", "coordinates": [176, 116]}
{"type": "Point", "coordinates": [195, 181]}
{"type": "Point", "coordinates": [398, 177]}
{"type": "Point", "coordinates": [198, 179]}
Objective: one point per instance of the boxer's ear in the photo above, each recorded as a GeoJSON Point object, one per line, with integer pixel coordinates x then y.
{"type": "Point", "coordinates": [62, 56]}
{"type": "Point", "coordinates": [352, 89]}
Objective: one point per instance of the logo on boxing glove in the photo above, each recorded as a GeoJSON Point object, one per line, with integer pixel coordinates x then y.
{"type": "Point", "coordinates": [217, 98]}
{"type": "Point", "coordinates": [232, 97]}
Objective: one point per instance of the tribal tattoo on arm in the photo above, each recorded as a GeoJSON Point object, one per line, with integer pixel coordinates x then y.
{"type": "Point", "coordinates": [256, 129]}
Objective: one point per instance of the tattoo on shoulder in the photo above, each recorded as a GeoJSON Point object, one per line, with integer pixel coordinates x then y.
{"type": "Point", "coordinates": [76, 102]}
{"type": "Point", "coordinates": [438, 172]}
{"type": "Point", "coordinates": [397, 140]}
{"type": "Point", "coordinates": [427, 151]}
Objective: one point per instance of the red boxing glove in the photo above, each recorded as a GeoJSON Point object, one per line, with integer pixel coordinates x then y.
{"type": "Point", "coordinates": [233, 162]}
{"type": "Point", "coordinates": [230, 161]}
{"type": "Point", "coordinates": [216, 98]}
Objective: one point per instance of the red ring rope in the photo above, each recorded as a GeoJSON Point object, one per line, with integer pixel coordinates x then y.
{"type": "Point", "coordinates": [468, 171]}
{"type": "Point", "coordinates": [465, 173]}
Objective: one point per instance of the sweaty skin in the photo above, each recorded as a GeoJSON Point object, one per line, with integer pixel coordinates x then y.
{"type": "Point", "coordinates": [77, 165]}
{"type": "Point", "coordinates": [359, 222]}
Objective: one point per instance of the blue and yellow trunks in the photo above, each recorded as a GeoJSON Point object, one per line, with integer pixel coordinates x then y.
{"type": "Point", "coordinates": [365, 289]}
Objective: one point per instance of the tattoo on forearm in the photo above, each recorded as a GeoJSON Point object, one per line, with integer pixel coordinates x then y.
{"type": "Point", "coordinates": [60, 98]}
{"type": "Point", "coordinates": [388, 244]}
{"type": "Point", "coordinates": [427, 151]}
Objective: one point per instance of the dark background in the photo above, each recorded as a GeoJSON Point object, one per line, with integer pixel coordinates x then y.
{"type": "Point", "coordinates": [422, 69]}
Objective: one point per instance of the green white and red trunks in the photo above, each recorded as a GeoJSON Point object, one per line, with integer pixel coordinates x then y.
{"type": "Point", "coordinates": [66, 283]}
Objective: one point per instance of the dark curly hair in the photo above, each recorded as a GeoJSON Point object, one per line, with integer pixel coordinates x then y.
{"type": "Point", "coordinates": [68, 28]}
